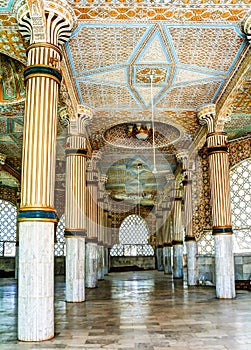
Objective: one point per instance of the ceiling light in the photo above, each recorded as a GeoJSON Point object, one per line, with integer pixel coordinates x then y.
{"type": "Point", "coordinates": [139, 130]}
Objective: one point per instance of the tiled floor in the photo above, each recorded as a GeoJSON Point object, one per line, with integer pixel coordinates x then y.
{"type": "Point", "coordinates": [138, 310]}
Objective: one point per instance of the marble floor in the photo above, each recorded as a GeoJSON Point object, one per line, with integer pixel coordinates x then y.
{"type": "Point", "coordinates": [137, 310]}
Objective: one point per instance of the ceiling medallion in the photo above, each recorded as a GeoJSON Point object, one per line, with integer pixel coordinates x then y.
{"type": "Point", "coordinates": [139, 135]}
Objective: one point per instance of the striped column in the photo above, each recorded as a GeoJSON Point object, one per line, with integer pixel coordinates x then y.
{"type": "Point", "coordinates": [75, 206]}
{"type": "Point", "coordinates": [177, 242]}
{"type": "Point", "coordinates": [167, 243]}
{"type": "Point", "coordinates": [159, 240]}
{"type": "Point", "coordinates": [91, 248]}
{"type": "Point", "coordinates": [101, 248]}
{"type": "Point", "coordinates": [191, 245]}
{"type": "Point", "coordinates": [221, 203]}
{"type": "Point", "coordinates": [37, 217]}
{"type": "Point", "coordinates": [106, 237]}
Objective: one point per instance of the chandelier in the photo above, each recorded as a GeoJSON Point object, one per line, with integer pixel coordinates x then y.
{"type": "Point", "coordinates": [139, 130]}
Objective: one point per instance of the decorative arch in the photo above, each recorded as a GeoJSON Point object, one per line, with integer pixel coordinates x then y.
{"type": "Point", "coordinates": [240, 189]}
{"type": "Point", "coordinates": [133, 238]}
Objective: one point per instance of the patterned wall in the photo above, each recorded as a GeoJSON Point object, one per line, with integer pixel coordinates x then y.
{"type": "Point", "coordinates": [202, 220]}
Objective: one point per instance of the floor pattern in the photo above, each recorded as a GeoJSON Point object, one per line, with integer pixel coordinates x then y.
{"type": "Point", "coordinates": [137, 310]}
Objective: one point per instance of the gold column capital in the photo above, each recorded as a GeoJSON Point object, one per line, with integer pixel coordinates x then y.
{"type": "Point", "coordinates": [206, 115]}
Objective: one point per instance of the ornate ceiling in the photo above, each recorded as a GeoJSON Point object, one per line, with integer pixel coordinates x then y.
{"type": "Point", "coordinates": [139, 61]}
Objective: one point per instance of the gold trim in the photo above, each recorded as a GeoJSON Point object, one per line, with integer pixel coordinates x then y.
{"type": "Point", "coordinates": [26, 208]}
{"type": "Point", "coordinates": [42, 75]}
{"type": "Point", "coordinates": [75, 229]}
{"type": "Point", "coordinates": [38, 220]}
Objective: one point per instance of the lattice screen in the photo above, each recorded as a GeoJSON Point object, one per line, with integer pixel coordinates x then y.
{"type": "Point", "coordinates": [133, 235]}
{"type": "Point", "coordinates": [59, 248]}
{"type": "Point", "coordinates": [8, 217]}
{"type": "Point", "coordinates": [240, 184]}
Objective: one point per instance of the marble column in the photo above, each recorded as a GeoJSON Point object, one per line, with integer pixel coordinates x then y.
{"type": "Point", "coordinates": [177, 241]}
{"type": "Point", "coordinates": [167, 245]}
{"type": "Point", "coordinates": [101, 249]}
{"type": "Point", "coordinates": [220, 199]}
{"type": "Point", "coordinates": [106, 238]}
{"type": "Point", "coordinates": [91, 270]}
{"type": "Point", "coordinates": [191, 245]}
{"type": "Point", "coordinates": [46, 27]}
{"type": "Point", "coordinates": [75, 205]}
{"type": "Point", "coordinates": [159, 240]}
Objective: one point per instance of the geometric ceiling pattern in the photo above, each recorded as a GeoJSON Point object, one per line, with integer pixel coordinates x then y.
{"type": "Point", "coordinates": [135, 61]}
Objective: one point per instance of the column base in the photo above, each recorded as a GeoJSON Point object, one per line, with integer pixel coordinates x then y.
{"type": "Point", "coordinates": [159, 255]}
{"type": "Point", "coordinates": [192, 273]}
{"type": "Point", "coordinates": [75, 269]}
{"type": "Point", "coordinates": [178, 261]}
{"type": "Point", "coordinates": [224, 267]}
{"type": "Point", "coordinates": [36, 281]}
{"type": "Point", "coordinates": [100, 262]}
{"type": "Point", "coordinates": [91, 265]}
{"type": "Point", "coordinates": [167, 260]}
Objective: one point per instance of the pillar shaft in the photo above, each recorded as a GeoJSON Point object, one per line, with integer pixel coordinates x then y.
{"type": "Point", "coordinates": [177, 236]}
{"type": "Point", "coordinates": [221, 216]}
{"type": "Point", "coordinates": [191, 245]}
{"type": "Point", "coordinates": [91, 268]}
{"type": "Point", "coordinates": [167, 245]}
{"type": "Point", "coordinates": [37, 216]}
{"type": "Point", "coordinates": [221, 203]}
{"type": "Point", "coordinates": [75, 206]}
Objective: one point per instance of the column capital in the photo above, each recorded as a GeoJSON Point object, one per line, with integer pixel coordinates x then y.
{"type": "Point", "coordinates": [35, 24]}
{"type": "Point", "coordinates": [246, 26]}
{"type": "Point", "coordinates": [206, 115]}
{"type": "Point", "coordinates": [183, 157]}
{"type": "Point", "coordinates": [85, 114]}
{"type": "Point", "coordinates": [223, 117]}
{"type": "Point", "coordinates": [77, 125]}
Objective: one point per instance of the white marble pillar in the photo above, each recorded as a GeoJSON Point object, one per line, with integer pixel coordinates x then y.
{"type": "Point", "coordinates": [191, 245]}
{"type": "Point", "coordinates": [192, 268]}
{"type": "Point", "coordinates": [159, 239]}
{"type": "Point", "coordinates": [177, 241]}
{"type": "Point", "coordinates": [91, 269]}
{"type": "Point", "coordinates": [75, 205]}
{"type": "Point", "coordinates": [46, 26]}
{"type": "Point", "coordinates": [167, 259]}
{"type": "Point", "coordinates": [167, 240]}
{"type": "Point", "coordinates": [177, 261]}
{"type": "Point", "coordinates": [220, 199]}
{"type": "Point", "coordinates": [100, 262]}
{"type": "Point", "coordinates": [75, 269]}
